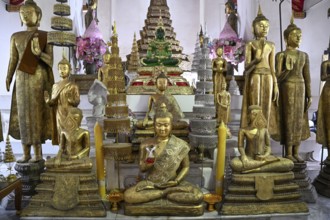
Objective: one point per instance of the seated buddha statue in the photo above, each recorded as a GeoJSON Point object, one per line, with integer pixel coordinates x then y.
{"type": "Point", "coordinates": [159, 50]}
{"type": "Point", "coordinates": [164, 158]}
{"type": "Point", "coordinates": [256, 156]}
{"type": "Point", "coordinates": [155, 102]}
{"type": "Point", "coordinates": [73, 154]}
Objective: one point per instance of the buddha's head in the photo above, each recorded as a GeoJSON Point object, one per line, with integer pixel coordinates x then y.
{"type": "Point", "coordinates": [256, 117]}
{"type": "Point", "coordinates": [107, 56]}
{"type": "Point", "coordinates": [219, 51]}
{"type": "Point", "coordinates": [160, 33]}
{"type": "Point", "coordinates": [30, 14]}
{"type": "Point", "coordinates": [64, 68]}
{"type": "Point", "coordinates": [163, 122]}
{"type": "Point", "coordinates": [292, 35]}
{"type": "Point", "coordinates": [224, 86]}
{"type": "Point", "coordinates": [73, 120]}
{"type": "Point", "coordinates": [260, 25]}
{"type": "Point", "coordinates": [161, 82]}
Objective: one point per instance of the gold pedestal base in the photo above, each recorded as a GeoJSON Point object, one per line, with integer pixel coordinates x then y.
{"type": "Point", "coordinates": [163, 207]}
{"type": "Point", "coordinates": [322, 181]}
{"type": "Point", "coordinates": [66, 195]}
{"type": "Point", "coordinates": [246, 196]}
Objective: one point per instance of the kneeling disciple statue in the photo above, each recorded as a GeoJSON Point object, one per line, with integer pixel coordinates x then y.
{"type": "Point", "coordinates": [74, 146]}
{"type": "Point", "coordinates": [165, 160]}
{"type": "Point", "coordinates": [256, 155]}
{"type": "Point", "coordinates": [261, 183]}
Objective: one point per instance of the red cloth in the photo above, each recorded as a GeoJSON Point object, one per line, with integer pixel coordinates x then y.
{"type": "Point", "coordinates": [298, 5]}
{"type": "Point", "coordinates": [16, 2]}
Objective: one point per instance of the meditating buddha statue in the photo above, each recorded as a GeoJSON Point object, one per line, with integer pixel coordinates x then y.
{"type": "Point", "coordinates": [155, 102]}
{"type": "Point", "coordinates": [165, 160]}
{"type": "Point", "coordinates": [74, 146]}
{"type": "Point", "coordinates": [159, 50]}
{"type": "Point", "coordinates": [256, 155]}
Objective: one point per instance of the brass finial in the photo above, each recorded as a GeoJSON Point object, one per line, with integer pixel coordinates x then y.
{"type": "Point", "coordinates": [114, 28]}
{"type": "Point", "coordinates": [259, 11]}
{"type": "Point", "coordinates": [292, 19]}
{"type": "Point", "coordinates": [64, 60]}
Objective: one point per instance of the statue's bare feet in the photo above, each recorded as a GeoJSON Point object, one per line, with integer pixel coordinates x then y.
{"type": "Point", "coordinates": [35, 159]}
{"type": "Point", "coordinates": [298, 158]}
{"type": "Point", "coordinates": [24, 159]}
{"type": "Point", "coordinates": [290, 157]}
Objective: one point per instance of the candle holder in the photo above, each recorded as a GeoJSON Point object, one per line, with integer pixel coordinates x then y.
{"type": "Point", "coordinates": [115, 196]}
{"type": "Point", "coordinates": [211, 199]}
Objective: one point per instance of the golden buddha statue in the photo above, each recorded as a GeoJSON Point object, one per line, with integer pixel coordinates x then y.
{"type": "Point", "coordinates": [91, 12]}
{"type": "Point", "coordinates": [292, 72]}
{"type": "Point", "coordinates": [166, 161]}
{"type": "Point", "coordinates": [256, 155]}
{"type": "Point", "coordinates": [219, 67]}
{"type": "Point", "coordinates": [104, 70]}
{"type": "Point", "coordinates": [260, 81]}
{"type": "Point", "coordinates": [32, 60]}
{"type": "Point", "coordinates": [155, 102]}
{"type": "Point", "coordinates": [74, 146]}
{"type": "Point", "coordinates": [159, 50]}
{"type": "Point", "coordinates": [65, 94]}
{"type": "Point", "coordinates": [323, 114]}
{"type": "Point", "coordinates": [223, 106]}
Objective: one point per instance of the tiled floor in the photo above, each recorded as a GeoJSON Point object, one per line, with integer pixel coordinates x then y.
{"type": "Point", "coordinates": [317, 211]}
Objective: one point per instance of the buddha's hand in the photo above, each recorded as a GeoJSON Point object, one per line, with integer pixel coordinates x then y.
{"type": "Point", "coordinates": [145, 121]}
{"type": "Point", "coordinates": [244, 160]}
{"type": "Point", "coordinates": [8, 82]}
{"type": "Point", "coordinates": [35, 46]}
{"type": "Point", "coordinates": [170, 183]}
{"type": "Point", "coordinates": [57, 161]}
{"type": "Point", "coordinates": [308, 103]}
{"type": "Point", "coordinates": [275, 94]}
{"type": "Point", "coordinates": [46, 96]}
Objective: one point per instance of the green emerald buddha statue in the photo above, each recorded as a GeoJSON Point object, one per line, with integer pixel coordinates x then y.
{"type": "Point", "coordinates": [164, 158]}
{"type": "Point", "coordinates": [159, 51]}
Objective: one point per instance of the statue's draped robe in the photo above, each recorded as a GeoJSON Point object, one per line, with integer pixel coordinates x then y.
{"type": "Point", "coordinates": [168, 161]}
{"type": "Point", "coordinates": [323, 113]}
{"type": "Point", "coordinates": [289, 121]}
{"type": "Point", "coordinates": [30, 117]}
{"type": "Point", "coordinates": [65, 94]}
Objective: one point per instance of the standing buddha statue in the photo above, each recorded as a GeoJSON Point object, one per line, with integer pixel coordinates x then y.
{"type": "Point", "coordinates": [260, 81]}
{"type": "Point", "coordinates": [32, 60]}
{"type": "Point", "coordinates": [292, 72]}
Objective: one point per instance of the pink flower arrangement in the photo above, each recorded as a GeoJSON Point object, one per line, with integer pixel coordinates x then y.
{"type": "Point", "coordinates": [91, 50]}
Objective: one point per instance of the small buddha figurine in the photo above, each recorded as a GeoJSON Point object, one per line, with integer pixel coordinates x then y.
{"type": "Point", "coordinates": [159, 50]}
{"type": "Point", "coordinates": [256, 154]}
{"type": "Point", "coordinates": [260, 80]}
{"type": "Point", "coordinates": [223, 106]}
{"type": "Point", "coordinates": [156, 100]}
{"type": "Point", "coordinates": [74, 146]}
{"type": "Point", "coordinates": [219, 68]}
{"type": "Point", "coordinates": [166, 172]}
{"type": "Point", "coordinates": [323, 114]}
{"type": "Point", "coordinates": [31, 58]}
{"type": "Point", "coordinates": [104, 70]}
{"type": "Point", "coordinates": [90, 14]}
{"type": "Point", "coordinates": [294, 81]}
{"type": "Point", "coordinates": [65, 94]}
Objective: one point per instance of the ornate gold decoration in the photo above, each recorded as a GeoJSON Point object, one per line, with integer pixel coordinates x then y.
{"type": "Point", "coordinates": [61, 10]}
{"type": "Point", "coordinates": [61, 23]}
